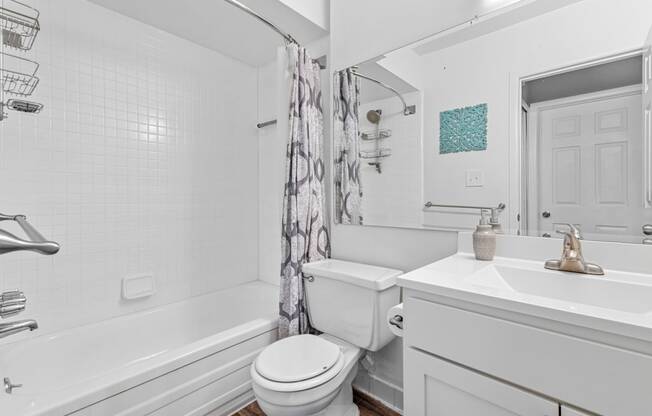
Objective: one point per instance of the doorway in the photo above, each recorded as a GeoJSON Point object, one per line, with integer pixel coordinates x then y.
{"type": "Point", "coordinates": [582, 152]}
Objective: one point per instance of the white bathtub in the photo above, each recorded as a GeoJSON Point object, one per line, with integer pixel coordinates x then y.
{"type": "Point", "coordinates": [187, 358]}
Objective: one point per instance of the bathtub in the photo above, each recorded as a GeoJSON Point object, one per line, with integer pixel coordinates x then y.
{"type": "Point", "coordinates": [186, 358]}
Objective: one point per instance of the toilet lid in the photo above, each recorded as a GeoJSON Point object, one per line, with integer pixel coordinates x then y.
{"type": "Point", "coordinates": [297, 358]}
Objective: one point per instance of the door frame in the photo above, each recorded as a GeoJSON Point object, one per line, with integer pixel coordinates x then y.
{"type": "Point", "coordinates": [516, 148]}
{"type": "Point", "coordinates": [533, 136]}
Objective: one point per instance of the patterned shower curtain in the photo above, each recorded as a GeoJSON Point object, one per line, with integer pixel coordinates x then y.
{"type": "Point", "coordinates": [304, 235]}
{"type": "Point", "coordinates": [348, 189]}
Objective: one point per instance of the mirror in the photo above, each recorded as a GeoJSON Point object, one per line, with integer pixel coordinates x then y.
{"type": "Point", "coordinates": [499, 115]}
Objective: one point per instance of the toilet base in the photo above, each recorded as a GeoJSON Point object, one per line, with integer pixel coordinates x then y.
{"type": "Point", "coordinates": [340, 405]}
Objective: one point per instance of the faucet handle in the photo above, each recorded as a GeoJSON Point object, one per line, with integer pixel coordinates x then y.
{"type": "Point", "coordinates": [11, 310]}
{"type": "Point", "coordinates": [12, 296]}
{"type": "Point", "coordinates": [12, 303]}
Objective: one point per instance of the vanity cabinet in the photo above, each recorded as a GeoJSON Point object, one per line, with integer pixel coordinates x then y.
{"type": "Point", "coordinates": [435, 387]}
{"type": "Point", "coordinates": [461, 361]}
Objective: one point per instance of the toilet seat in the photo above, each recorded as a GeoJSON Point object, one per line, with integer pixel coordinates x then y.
{"type": "Point", "coordinates": [298, 363]}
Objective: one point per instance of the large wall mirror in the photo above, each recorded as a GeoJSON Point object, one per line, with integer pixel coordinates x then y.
{"type": "Point", "coordinates": [498, 115]}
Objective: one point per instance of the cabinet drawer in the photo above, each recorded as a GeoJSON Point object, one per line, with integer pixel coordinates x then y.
{"type": "Point", "coordinates": [592, 376]}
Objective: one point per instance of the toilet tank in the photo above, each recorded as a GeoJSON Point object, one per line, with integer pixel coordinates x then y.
{"type": "Point", "coordinates": [350, 300]}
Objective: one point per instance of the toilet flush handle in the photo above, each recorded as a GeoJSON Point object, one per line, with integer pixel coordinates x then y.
{"type": "Point", "coordinates": [397, 321]}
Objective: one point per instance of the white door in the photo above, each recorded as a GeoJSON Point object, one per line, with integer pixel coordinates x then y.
{"type": "Point", "coordinates": [434, 387]}
{"type": "Point", "coordinates": [567, 411]}
{"type": "Point", "coordinates": [590, 167]}
{"type": "Point", "coordinates": [647, 125]}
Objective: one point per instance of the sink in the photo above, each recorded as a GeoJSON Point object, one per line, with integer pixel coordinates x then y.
{"type": "Point", "coordinates": [618, 291]}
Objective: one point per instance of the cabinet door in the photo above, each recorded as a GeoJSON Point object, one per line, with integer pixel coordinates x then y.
{"type": "Point", "coordinates": [567, 411]}
{"type": "Point", "coordinates": [434, 387]}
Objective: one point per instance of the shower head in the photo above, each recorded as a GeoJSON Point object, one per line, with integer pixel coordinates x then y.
{"type": "Point", "coordinates": [374, 116]}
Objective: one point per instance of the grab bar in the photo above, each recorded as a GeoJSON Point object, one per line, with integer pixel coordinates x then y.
{"type": "Point", "coordinates": [36, 242]}
{"type": "Point", "coordinates": [495, 211]}
{"type": "Point", "coordinates": [429, 204]}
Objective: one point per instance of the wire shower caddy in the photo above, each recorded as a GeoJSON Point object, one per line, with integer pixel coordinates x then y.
{"type": "Point", "coordinates": [18, 75]}
{"type": "Point", "coordinates": [19, 24]}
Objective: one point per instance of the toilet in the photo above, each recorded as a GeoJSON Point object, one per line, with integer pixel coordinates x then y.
{"type": "Point", "coordinates": [308, 375]}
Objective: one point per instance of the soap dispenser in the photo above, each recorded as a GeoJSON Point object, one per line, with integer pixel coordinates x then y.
{"type": "Point", "coordinates": [484, 239]}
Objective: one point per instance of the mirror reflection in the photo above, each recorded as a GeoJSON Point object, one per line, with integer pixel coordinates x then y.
{"type": "Point", "coordinates": [536, 131]}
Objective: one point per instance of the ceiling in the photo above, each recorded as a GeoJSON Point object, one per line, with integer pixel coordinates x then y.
{"type": "Point", "coordinates": [221, 27]}
{"type": "Point", "coordinates": [506, 13]}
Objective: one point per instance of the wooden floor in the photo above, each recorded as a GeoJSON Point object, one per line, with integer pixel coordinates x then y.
{"type": "Point", "coordinates": [367, 405]}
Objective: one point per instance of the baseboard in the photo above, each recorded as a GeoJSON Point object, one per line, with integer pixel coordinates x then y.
{"type": "Point", "coordinates": [384, 391]}
{"type": "Point", "coordinates": [378, 406]}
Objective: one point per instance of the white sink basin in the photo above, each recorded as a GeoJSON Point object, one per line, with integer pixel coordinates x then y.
{"type": "Point", "coordinates": [619, 303]}
{"type": "Point", "coordinates": [616, 291]}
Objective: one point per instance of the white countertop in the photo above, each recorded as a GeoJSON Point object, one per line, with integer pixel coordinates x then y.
{"type": "Point", "coordinates": [617, 303]}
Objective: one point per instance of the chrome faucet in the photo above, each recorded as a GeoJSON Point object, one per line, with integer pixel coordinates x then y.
{"type": "Point", "coordinates": [572, 259]}
{"type": "Point", "coordinates": [18, 326]}
{"type": "Point", "coordinates": [12, 303]}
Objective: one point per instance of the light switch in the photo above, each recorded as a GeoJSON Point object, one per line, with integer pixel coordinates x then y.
{"type": "Point", "coordinates": [474, 178]}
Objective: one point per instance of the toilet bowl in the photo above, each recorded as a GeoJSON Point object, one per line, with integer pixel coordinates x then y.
{"type": "Point", "coordinates": [306, 375]}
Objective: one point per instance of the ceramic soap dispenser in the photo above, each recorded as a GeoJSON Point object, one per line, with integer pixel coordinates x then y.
{"type": "Point", "coordinates": [484, 239]}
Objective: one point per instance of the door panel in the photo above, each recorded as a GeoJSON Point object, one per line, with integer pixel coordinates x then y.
{"type": "Point", "coordinates": [434, 387]}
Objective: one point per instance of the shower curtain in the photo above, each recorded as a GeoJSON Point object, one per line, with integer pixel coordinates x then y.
{"type": "Point", "coordinates": [304, 234]}
{"type": "Point", "coordinates": [348, 189]}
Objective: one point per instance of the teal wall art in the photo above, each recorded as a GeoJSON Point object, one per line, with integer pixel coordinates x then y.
{"type": "Point", "coordinates": [463, 129]}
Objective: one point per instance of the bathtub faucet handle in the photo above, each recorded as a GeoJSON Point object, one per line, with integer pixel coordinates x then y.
{"type": "Point", "coordinates": [12, 303]}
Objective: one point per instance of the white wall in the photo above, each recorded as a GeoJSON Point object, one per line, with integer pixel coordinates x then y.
{"type": "Point", "coordinates": [143, 161]}
{"type": "Point", "coordinates": [317, 11]}
{"type": "Point", "coordinates": [485, 69]}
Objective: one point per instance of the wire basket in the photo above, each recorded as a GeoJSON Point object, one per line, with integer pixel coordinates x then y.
{"type": "Point", "coordinates": [18, 75]}
{"type": "Point", "coordinates": [376, 135]}
{"type": "Point", "coordinates": [375, 154]}
{"type": "Point", "coordinates": [19, 24]}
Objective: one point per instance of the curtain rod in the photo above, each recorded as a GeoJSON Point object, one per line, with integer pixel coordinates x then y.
{"type": "Point", "coordinates": [407, 109]}
{"type": "Point", "coordinates": [247, 10]}
{"type": "Point", "coordinates": [288, 38]}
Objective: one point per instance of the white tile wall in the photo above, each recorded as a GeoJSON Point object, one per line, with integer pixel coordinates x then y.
{"type": "Point", "coordinates": [393, 197]}
{"type": "Point", "coordinates": [144, 160]}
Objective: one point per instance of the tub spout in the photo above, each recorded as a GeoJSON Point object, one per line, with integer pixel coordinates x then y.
{"type": "Point", "coordinates": [18, 326]}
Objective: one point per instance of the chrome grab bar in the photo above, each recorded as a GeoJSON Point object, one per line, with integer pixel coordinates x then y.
{"type": "Point", "coordinates": [495, 211]}
{"type": "Point", "coordinates": [36, 242]}
{"type": "Point", "coordinates": [429, 204]}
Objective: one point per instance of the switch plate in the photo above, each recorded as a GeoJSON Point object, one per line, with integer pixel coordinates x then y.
{"type": "Point", "coordinates": [474, 178]}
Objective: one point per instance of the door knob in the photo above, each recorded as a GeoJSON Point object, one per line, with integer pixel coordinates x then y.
{"type": "Point", "coordinates": [647, 229]}
{"type": "Point", "coordinates": [545, 214]}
